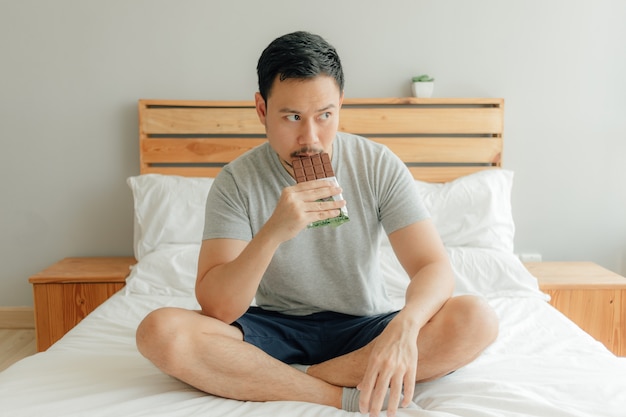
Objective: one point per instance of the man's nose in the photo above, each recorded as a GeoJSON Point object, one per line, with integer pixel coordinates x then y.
{"type": "Point", "coordinates": [308, 133]}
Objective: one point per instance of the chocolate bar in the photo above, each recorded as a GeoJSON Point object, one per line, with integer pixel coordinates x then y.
{"type": "Point", "coordinates": [313, 167]}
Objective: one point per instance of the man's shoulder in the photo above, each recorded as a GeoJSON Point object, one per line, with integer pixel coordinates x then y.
{"type": "Point", "coordinates": [355, 139]}
{"type": "Point", "coordinates": [362, 149]}
{"type": "Point", "coordinates": [353, 142]}
{"type": "Point", "coordinates": [258, 152]}
{"type": "Point", "coordinates": [249, 159]}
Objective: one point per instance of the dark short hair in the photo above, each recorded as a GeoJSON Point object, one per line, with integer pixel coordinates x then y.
{"type": "Point", "coordinates": [298, 55]}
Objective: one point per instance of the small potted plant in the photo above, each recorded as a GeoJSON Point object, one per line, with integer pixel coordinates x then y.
{"type": "Point", "coordinates": [423, 86]}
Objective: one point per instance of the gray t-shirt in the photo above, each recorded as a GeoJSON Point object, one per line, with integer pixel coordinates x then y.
{"type": "Point", "coordinates": [325, 268]}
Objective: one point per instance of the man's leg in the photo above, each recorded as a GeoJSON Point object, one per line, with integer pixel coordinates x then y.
{"type": "Point", "coordinates": [212, 356]}
{"type": "Point", "coordinates": [454, 337]}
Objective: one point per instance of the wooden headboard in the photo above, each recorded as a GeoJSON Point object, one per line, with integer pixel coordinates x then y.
{"type": "Point", "coordinates": [438, 139]}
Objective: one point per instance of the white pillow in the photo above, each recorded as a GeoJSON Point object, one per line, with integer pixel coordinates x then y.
{"type": "Point", "coordinates": [168, 209]}
{"type": "Point", "coordinates": [168, 270]}
{"type": "Point", "coordinates": [486, 272]}
{"type": "Point", "coordinates": [474, 210]}
{"type": "Point", "coordinates": [491, 273]}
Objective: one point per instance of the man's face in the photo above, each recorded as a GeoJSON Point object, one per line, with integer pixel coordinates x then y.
{"type": "Point", "coordinates": [301, 117]}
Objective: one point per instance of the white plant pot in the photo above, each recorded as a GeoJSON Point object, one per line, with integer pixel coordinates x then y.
{"type": "Point", "coordinates": [423, 89]}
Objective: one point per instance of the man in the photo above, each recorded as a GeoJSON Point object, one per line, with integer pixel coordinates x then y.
{"type": "Point", "coordinates": [322, 303]}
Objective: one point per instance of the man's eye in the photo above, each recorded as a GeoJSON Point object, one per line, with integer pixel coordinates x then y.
{"type": "Point", "coordinates": [293, 117]}
{"type": "Point", "coordinates": [325, 116]}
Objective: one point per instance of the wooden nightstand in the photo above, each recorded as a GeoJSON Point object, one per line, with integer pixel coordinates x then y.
{"type": "Point", "coordinates": [67, 291]}
{"type": "Point", "coordinates": [591, 296]}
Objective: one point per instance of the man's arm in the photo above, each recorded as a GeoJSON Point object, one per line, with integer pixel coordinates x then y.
{"type": "Point", "coordinates": [393, 361]}
{"type": "Point", "coordinates": [229, 270]}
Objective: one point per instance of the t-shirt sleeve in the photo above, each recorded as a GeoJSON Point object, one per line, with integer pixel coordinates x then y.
{"type": "Point", "coordinates": [226, 212]}
{"type": "Point", "coordinates": [400, 202]}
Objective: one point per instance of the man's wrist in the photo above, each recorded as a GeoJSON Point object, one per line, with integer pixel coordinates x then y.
{"type": "Point", "coordinates": [409, 321]}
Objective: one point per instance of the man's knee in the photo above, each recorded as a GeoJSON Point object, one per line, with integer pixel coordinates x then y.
{"type": "Point", "coordinates": [167, 336]}
{"type": "Point", "coordinates": [159, 334]}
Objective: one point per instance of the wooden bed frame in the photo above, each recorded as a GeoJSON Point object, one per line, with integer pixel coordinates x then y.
{"type": "Point", "coordinates": [438, 139]}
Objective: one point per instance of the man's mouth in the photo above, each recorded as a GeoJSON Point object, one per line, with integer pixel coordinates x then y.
{"type": "Point", "coordinates": [306, 152]}
{"type": "Point", "coordinates": [302, 153]}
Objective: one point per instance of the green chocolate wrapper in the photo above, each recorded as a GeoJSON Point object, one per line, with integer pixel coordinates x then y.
{"type": "Point", "coordinates": [335, 221]}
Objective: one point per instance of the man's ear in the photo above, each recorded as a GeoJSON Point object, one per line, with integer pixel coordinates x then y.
{"type": "Point", "coordinates": [261, 107]}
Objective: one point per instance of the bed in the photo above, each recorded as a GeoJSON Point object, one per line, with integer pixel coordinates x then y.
{"type": "Point", "coordinates": [542, 364]}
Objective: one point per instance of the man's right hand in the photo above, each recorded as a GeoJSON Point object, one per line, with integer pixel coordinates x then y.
{"type": "Point", "coordinates": [300, 205]}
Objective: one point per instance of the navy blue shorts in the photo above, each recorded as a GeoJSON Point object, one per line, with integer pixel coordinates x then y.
{"type": "Point", "coordinates": [311, 339]}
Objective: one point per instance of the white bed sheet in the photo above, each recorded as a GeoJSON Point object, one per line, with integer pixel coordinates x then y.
{"type": "Point", "coordinates": [541, 365]}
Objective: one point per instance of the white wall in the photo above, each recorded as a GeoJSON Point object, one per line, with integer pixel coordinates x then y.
{"type": "Point", "coordinates": [72, 70]}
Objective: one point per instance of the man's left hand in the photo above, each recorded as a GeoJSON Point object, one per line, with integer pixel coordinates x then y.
{"type": "Point", "coordinates": [392, 365]}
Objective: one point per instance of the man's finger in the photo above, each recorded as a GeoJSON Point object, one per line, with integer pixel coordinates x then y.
{"type": "Point", "coordinates": [366, 387]}
{"type": "Point", "coordinates": [395, 393]}
{"type": "Point", "coordinates": [378, 399]}
{"type": "Point", "coordinates": [379, 396]}
{"type": "Point", "coordinates": [409, 388]}
{"type": "Point", "coordinates": [364, 398]}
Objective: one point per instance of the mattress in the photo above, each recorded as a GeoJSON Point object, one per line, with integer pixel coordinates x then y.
{"type": "Point", "coordinates": [541, 365]}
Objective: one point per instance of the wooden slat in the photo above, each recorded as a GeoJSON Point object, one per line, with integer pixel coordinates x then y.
{"type": "Point", "coordinates": [192, 120]}
{"type": "Point", "coordinates": [415, 120]}
{"type": "Point", "coordinates": [439, 101]}
{"type": "Point", "coordinates": [152, 103]}
{"type": "Point", "coordinates": [196, 149]}
{"type": "Point", "coordinates": [445, 174]}
{"type": "Point", "coordinates": [359, 120]}
{"type": "Point", "coordinates": [445, 149]}
{"type": "Point", "coordinates": [409, 149]}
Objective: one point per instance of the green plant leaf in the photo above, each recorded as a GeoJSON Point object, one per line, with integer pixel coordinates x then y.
{"type": "Point", "coordinates": [423, 78]}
